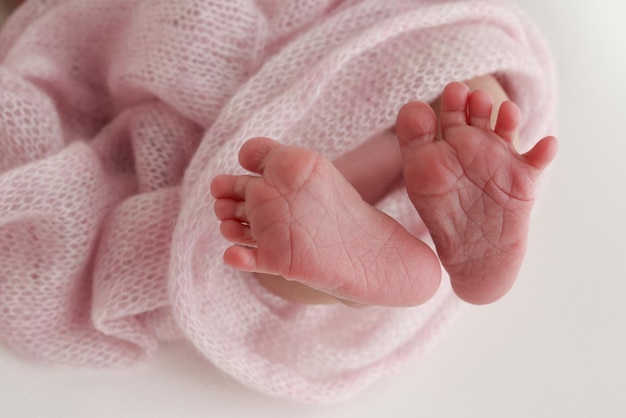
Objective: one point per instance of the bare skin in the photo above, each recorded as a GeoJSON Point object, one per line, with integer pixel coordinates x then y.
{"type": "Point", "coordinates": [383, 159]}
{"type": "Point", "coordinates": [471, 188]}
{"type": "Point", "coordinates": [301, 219]}
{"type": "Point", "coordinates": [345, 268]}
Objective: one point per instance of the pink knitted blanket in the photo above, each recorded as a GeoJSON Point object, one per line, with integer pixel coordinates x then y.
{"type": "Point", "coordinates": [116, 114]}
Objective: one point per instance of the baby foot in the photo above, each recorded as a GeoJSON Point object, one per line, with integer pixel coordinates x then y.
{"type": "Point", "coordinates": [471, 188]}
{"type": "Point", "coordinates": [299, 218]}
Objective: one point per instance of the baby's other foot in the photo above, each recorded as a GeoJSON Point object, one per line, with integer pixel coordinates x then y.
{"type": "Point", "coordinates": [299, 218]}
{"type": "Point", "coordinates": [472, 189]}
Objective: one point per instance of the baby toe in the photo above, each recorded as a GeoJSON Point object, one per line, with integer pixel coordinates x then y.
{"type": "Point", "coordinates": [234, 231]}
{"type": "Point", "coordinates": [253, 154]}
{"type": "Point", "coordinates": [508, 122]}
{"type": "Point", "coordinates": [226, 209]}
{"type": "Point", "coordinates": [480, 106]}
{"type": "Point", "coordinates": [454, 105]}
{"type": "Point", "coordinates": [416, 124]}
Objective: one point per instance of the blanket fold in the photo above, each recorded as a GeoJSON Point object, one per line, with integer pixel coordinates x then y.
{"type": "Point", "coordinates": [116, 114]}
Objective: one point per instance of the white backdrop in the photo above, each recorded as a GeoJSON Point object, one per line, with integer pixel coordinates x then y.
{"type": "Point", "coordinates": [554, 347]}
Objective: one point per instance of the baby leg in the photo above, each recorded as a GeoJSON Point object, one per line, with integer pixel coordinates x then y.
{"type": "Point", "coordinates": [299, 218]}
{"type": "Point", "coordinates": [472, 189]}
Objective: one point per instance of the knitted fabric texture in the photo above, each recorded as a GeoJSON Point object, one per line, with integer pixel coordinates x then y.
{"type": "Point", "coordinates": [116, 114]}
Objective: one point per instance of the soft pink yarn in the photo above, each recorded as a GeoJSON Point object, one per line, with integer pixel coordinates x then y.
{"type": "Point", "coordinates": [116, 114]}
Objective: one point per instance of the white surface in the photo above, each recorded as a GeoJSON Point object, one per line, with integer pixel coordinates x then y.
{"type": "Point", "coordinates": [555, 347]}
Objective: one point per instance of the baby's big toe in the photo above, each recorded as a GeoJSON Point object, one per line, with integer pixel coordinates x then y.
{"type": "Point", "coordinates": [416, 124]}
{"type": "Point", "coordinates": [253, 154]}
